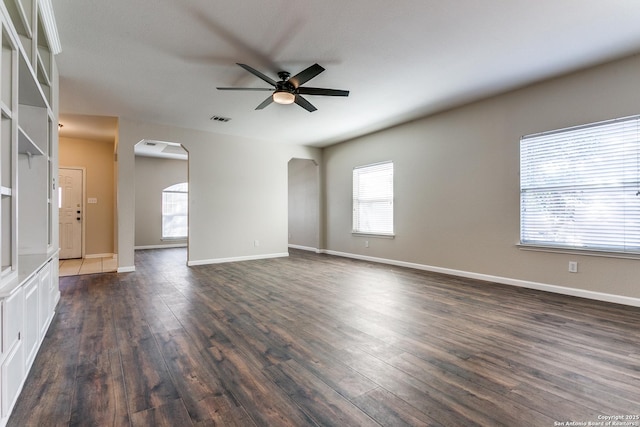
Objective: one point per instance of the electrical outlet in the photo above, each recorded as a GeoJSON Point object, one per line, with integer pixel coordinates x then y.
{"type": "Point", "coordinates": [573, 266]}
{"type": "Point", "coordinates": [256, 243]}
{"type": "Point", "coordinates": [366, 243]}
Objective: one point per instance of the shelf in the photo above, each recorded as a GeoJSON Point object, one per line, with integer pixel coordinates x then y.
{"type": "Point", "coordinates": [28, 108]}
{"type": "Point", "coordinates": [29, 91]}
{"type": "Point", "coordinates": [25, 11]}
{"type": "Point", "coordinates": [5, 110]}
{"type": "Point", "coordinates": [27, 45]}
{"type": "Point", "coordinates": [45, 86]}
{"type": "Point", "coordinates": [9, 57]}
{"type": "Point", "coordinates": [21, 16]}
{"type": "Point", "coordinates": [44, 55]}
{"type": "Point", "coordinates": [43, 73]}
{"type": "Point", "coordinates": [26, 145]}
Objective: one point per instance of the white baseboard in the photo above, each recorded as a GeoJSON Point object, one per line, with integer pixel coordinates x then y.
{"type": "Point", "coordinates": [235, 259]}
{"type": "Point", "coordinates": [169, 245]}
{"type": "Point", "coordinates": [305, 248]}
{"type": "Point", "coordinates": [599, 296]}
{"type": "Point", "coordinates": [98, 256]}
{"type": "Point", "coordinates": [129, 269]}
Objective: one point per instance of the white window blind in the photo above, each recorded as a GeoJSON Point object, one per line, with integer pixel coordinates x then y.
{"type": "Point", "coordinates": [580, 187]}
{"type": "Point", "coordinates": [373, 199]}
{"type": "Point", "coordinates": [175, 208]}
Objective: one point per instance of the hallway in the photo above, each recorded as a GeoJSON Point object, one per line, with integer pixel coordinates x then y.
{"type": "Point", "coordinates": [79, 266]}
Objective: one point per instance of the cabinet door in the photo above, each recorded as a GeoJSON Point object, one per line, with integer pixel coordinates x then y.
{"type": "Point", "coordinates": [11, 320]}
{"type": "Point", "coordinates": [11, 375]}
{"type": "Point", "coordinates": [12, 369]}
{"type": "Point", "coordinates": [2, 351]}
{"type": "Point", "coordinates": [31, 331]}
{"type": "Point", "coordinates": [44, 277]}
{"type": "Point", "coordinates": [54, 294]}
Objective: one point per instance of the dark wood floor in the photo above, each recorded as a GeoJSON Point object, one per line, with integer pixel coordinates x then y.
{"type": "Point", "coordinates": [321, 340]}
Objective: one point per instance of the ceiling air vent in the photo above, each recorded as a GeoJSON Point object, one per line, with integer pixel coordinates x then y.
{"type": "Point", "coordinates": [220, 119]}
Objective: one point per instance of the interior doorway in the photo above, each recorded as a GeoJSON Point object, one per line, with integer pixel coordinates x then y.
{"type": "Point", "coordinates": [71, 209]}
{"type": "Point", "coordinates": [161, 197]}
{"type": "Point", "coordinates": [304, 205]}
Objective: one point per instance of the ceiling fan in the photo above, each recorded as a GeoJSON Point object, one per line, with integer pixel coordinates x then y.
{"type": "Point", "coordinates": [289, 89]}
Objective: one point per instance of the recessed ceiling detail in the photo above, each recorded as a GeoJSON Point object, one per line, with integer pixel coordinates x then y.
{"type": "Point", "coordinates": [160, 149]}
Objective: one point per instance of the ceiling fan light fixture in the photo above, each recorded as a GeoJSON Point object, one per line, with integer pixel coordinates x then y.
{"type": "Point", "coordinates": [289, 89]}
{"type": "Point", "coordinates": [283, 97]}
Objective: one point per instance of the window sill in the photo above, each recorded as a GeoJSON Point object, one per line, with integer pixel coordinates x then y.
{"type": "Point", "coordinates": [577, 251]}
{"type": "Point", "coordinates": [173, 238]}
{"type": "Point", "coordinates": [378, 235]}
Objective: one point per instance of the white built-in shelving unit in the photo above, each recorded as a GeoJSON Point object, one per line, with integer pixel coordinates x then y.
{"type": "Point", "coordinates": [28, 171]}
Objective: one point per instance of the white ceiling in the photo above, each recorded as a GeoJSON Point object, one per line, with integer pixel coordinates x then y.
{"type": "Point", "coordinates": [161, 60]}
{"type": "Point", "coordinates": [84, 126]}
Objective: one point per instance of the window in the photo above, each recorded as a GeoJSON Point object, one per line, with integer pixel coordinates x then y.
{"type": "Point", "coordinates": [175, 211]}
{"type": "Point", "coordinates": [373, 199]}
{"type": "Point", "coordinates": [580, 187]}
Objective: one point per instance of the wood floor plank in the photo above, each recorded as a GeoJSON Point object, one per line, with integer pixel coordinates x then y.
{"type": "Point", "coordinates": [97, 331]}
{"type": "Point", "coordinates": [322, 363]}
{"type": "Point", "coordinates": [284, 339]}
{"type": "Point", "coordinates": [195, 384]}
{"type": "Point", "coordinates": [572, 386]}
{"type": "Point", "coordinates": [389, 410]}
{"type": "Point", "coordinates": [314, 339]}
{"type": "Point", "coordinates": [324, 404]}
{"type": "Point", "coordinates": [147, 380]}
{"type": "Point", "coordinates": [223, 411]}
{"type": "Point", "coordinates": [447, 404]}
{"type": "Point", "coordinates": [170, 414]}
{"type": "Point", "coordinates": [244, 378]}
{"type": "Point", "coordinates": [481, 398]}
{"type": "Point", "coordinates": [99, 394]}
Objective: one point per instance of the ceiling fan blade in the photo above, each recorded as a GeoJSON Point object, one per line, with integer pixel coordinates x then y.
{"type": "Point", "coordinates": [322, 91]}
{"type": "Point", "coordinates": [264, 103]}
{"type": "Point", "coordinates": [305, 75]}
{"type": "Point", "coordinates": [245, 88]}
{"type": "Point", "coordinates": [305, 104]}
{"type": "Point", "coordinates": [258, 74]}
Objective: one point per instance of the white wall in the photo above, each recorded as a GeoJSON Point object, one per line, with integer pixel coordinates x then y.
{"type": "Point", "coordinates": [152, 176]}
{"type": "Point", "coordinates": [304, 204]}
{"type": "Point", "coordinates": [457, 182]}
{"type": "Point", "coordinates": [237, 194]}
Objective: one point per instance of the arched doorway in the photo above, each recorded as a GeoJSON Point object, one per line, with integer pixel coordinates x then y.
{"type": "Point", "coordinates": [161, 196]}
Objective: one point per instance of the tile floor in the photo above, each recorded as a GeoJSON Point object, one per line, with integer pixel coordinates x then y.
{"type": "Point", "coordinates": [75, 267]}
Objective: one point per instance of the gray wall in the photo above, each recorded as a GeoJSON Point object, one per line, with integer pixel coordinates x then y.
{"type": "Point", "coordinates": [237, 192]}
{"type": "Point", "coordinates": [457, 183]}
{"type": "Point", "coordinates": [152, 176]}
{"type": "Point", "coordinates": [304, 204]}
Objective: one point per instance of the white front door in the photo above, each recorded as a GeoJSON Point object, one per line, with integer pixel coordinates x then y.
{"type": "Point", "coordinates": [71, 214]}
